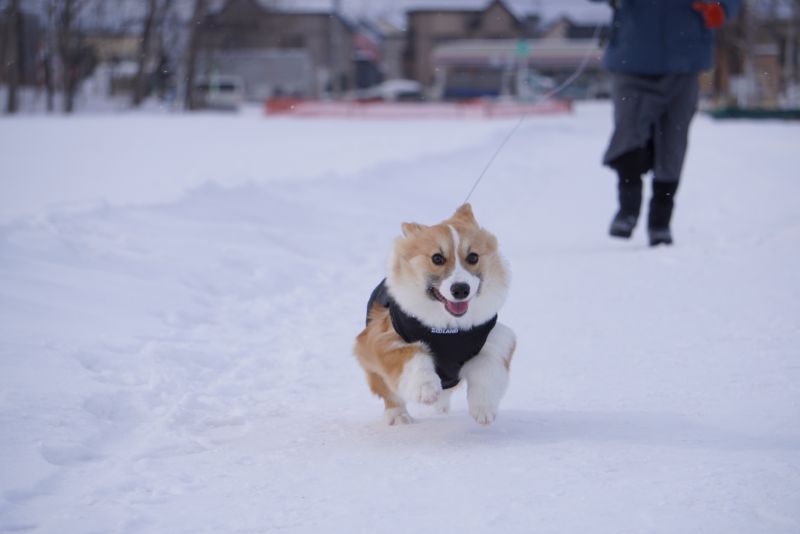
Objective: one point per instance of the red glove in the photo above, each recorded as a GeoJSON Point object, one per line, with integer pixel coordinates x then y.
{"type": "Point", "coordinates": [712, 12]}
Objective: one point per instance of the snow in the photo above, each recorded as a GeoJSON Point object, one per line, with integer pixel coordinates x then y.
{"type": "Point", "coordinates": [179, 297]}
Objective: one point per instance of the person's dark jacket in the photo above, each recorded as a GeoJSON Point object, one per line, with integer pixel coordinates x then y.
{"type": "Point", "coordinates": [661, 37]}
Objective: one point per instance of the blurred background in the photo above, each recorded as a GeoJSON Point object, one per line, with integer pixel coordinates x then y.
{"type": "Point", "coordinates": [77, 55]}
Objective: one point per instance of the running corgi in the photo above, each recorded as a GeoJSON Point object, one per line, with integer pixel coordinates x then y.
{"type": "Point", "coordinates": [432, 321]}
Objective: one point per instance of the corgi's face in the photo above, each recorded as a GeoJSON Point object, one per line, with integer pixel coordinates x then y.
{"type": "Point", "coordinates": [448, 274]}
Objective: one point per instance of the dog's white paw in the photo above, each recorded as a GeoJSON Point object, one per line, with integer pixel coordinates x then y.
{"type": "Point", "coordinates": [428, 392]}
{"type": "Point", "coordinates": [397, 416]}
{"type": "Point", "coordinates": [442, 406]}
{"type": "Point", "coordinates": [483, 415]}
{"type": "Point", "coordinates": [419, 381]}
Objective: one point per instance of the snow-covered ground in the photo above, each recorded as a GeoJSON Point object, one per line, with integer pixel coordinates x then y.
{"type": "Point", "coordinates": [179, 297]}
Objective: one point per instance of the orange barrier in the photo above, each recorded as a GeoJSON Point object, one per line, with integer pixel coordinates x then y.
{"type": "Point", "coordinates": [413, 110]}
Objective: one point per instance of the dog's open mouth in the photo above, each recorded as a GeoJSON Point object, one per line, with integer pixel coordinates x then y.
{"type": "Point", "coordinates": [457, 308]}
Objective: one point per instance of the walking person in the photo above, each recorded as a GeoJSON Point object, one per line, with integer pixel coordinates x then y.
{"type": "Point", "coordinates": [656, 51]}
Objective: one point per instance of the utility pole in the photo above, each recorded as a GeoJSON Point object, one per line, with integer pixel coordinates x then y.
{"type": "Point", "coordinates": [334, 52]}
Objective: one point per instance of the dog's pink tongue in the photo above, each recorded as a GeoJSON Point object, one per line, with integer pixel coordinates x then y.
{"type": "Point", "coordinates": [458, 308]}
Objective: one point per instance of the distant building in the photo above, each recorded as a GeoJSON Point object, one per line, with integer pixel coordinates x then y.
{"type": "Point", "coordinates": [522, 67]}
{"type": "Point", "coordinates": [429, 28]}
{"type": "Point", "coordinates": [277, 52]}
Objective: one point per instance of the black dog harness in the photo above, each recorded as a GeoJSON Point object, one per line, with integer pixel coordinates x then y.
{"type": "Point", "coordinates": [451, 347]}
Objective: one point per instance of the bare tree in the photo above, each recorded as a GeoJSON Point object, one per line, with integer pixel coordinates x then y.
{"type": "Point", "coordinates": [139, 89]}
{"type": "Point", "coordinates": [66, 50]}
{"type": "Point", "coordinates": [76, 59]}
{"type": "Point", "coordinates": [49, 52]}
{"type": "Point", "coordinates": [194, 32]}
{"type": "Point", "coordinates": [3, 45]}
{"type": "Point", "coordinates": [162, 48]}
{"type": "Point", "coordinates": [13, 53]}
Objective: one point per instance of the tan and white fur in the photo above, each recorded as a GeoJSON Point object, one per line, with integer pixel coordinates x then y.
{"type": "Point", "coordinates": [401, 372]}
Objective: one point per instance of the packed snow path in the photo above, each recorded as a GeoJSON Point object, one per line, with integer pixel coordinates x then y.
{"type": "Point", "coordinates": [179, 297]}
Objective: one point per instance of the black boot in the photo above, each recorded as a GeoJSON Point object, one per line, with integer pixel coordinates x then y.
{"type": "Point", "coordinates": [630, 167]}
{"type": "Point", "coordinates": [630, 202]}
{"type": "Point", "coordinates": [661, 206]}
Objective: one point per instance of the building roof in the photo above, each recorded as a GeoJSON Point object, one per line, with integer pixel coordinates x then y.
{"type": "Point", "coordinates": [460, 7]}
{"type": "Point", "coordinates": [567, 28]}
{"type": "Point", "coordinates": [289, 9]}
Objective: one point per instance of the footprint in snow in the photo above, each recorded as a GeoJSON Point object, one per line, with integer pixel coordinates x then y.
{"type": "Point", "coordinates": [67, 455]}
{"type": "Point", "coordinates": [116, 407]}
{"type": "Point", "coordinates": [14, 526]}
{"type": "Point", "coordinates": [115, 367]}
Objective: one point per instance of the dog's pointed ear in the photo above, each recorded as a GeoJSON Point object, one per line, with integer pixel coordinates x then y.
{"type": "Point", "coordinates": [410, 229]}
{"type": "Point", "coordinates": [464, 213]}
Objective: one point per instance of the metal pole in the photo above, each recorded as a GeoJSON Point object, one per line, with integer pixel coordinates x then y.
{"type": "Point", "coordinates": [334, 51]}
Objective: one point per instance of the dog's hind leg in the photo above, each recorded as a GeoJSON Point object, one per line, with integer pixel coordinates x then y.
{"type": "Point", "coordinates": [487, 374]}
{"type": "Point", "coordinates": [394, 408]}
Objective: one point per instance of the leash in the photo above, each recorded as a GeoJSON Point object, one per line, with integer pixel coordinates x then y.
{"type": "Point", "coordinates": [566, 83]}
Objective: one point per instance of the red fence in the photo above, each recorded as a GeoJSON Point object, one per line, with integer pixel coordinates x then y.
{"type": "Point", "coordinates": [412, 110]}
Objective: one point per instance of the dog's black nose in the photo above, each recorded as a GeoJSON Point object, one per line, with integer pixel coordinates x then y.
{"type": "Point", "coordinates": [460, 290]}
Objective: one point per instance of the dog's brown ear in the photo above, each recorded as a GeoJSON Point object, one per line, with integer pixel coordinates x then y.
{"type": "Point", "coordinates": [464, 213]}
{"type": "Point", "coordinates": [410, 229]}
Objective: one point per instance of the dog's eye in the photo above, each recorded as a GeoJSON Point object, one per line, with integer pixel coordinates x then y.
{"type": "Point", "coordinates": [438, 259]}
{"type": "Point", "coordinates": [472, 258]}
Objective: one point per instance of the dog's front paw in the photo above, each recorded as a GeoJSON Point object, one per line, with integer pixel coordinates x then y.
{"type": "Point", "coordinates": [397, 416]}
{"type": "Point", "coordinates": [419, 381]}
{"type": "Point", "coordinates": [428, 392]}
{"type": "Point", "coordinates": [483, 415]}
{"type": "Point", "coordinates": [442, 406]}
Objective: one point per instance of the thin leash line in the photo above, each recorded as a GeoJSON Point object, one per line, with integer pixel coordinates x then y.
{"type": "Point", "coordinates": [566, 83]}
